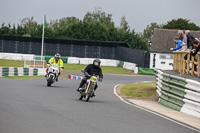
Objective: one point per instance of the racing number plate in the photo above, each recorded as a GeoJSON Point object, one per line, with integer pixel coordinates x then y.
{"type": "Point", "coordinates": [93, 79]}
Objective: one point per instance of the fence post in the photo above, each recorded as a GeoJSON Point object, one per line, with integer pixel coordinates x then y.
{"type": "Point", "coordinates": [192, 72]}
{"type": "Point", "coordinates": [198, 64]}
{"type": "Point", "coordinates": [174, 64]}
{"type": "Point", "coordinates": [183, 63]}
{"type": "Point", "coordinates": [179, 62]}
{"type": "Point", "coordinates": [188, 63]}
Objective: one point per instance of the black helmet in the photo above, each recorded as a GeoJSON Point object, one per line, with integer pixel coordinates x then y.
{"type": "Point", "coordinates": [57, 55]}
{"type": "Point", "coordinates": [96, 62]}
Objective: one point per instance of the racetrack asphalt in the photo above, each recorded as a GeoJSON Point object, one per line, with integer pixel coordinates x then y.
{"type": "Point", "coordinates": [29, 106]}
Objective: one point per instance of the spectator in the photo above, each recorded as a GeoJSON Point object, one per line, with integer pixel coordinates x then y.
{"type": "Point", "coordinates": [197, 48]}
{"type": "Point", "coordinates": [180, 35]}
{"type": "Point", "coordinates": [184, 45]}
{"type": "Point", "coordinates": [178, 42]}
{"type": "Point", "coordinates": [190, 39]}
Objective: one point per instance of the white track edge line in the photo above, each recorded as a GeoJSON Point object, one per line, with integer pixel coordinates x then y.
{"type": "Point", "coordinates": [167, 118]}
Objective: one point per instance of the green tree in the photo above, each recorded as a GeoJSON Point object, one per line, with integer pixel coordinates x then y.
{"type": "Point", "coordinates": [124, 24]}
{"type": "Point", "coordinates": [30, 26]}
{"type": "Point", "coordinates": [181, 24]}
{"type": "Point", "coordinates": [99, 16]}
{"type": "Point", "coordinates": [97, 26]}
{"type": "Point", "coordinates": [20, 30]}
{"type": "Point", "coordinates": [148, 31]}
{"type": "Point", "coordinates": [4, 29]}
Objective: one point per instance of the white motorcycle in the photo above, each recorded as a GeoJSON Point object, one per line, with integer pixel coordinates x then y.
{"type": "Point", "coordinates": [52, 74]}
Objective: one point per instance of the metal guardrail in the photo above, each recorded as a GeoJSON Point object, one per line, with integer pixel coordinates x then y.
{"type": "Point", "coordinates": [186, 66]}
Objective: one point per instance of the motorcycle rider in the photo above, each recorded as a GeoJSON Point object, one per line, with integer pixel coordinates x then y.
{"type": "Point", "coordinates": [92, 69]}
{"type": "Point", "coordinates": [58, 61]}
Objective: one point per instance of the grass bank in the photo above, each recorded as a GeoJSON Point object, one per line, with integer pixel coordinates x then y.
{"type": "Point", "coordinates": [139, 91]}
{"type": "Point", "coordinates": [11, 63]}
{"type": "Point", "coordinates": [105, 69]}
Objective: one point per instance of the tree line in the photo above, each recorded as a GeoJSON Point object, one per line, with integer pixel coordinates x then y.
{"type": "Point", "coordinates": [177, 24]}
{"type": "Point", "coordinates": [95, 26]}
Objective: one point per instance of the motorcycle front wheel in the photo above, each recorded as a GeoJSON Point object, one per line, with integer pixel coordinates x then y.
{"type": "Point", "coordinates": [49, 81]}
{"type": "Point", "coordinates": [87, 97]}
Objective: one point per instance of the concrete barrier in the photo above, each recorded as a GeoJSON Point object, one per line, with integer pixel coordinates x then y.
{"type": "Point", "coordinates": [13, 56]}
{"type": "Point", "coordinates": [20, 71]}
{"type": "Point", "coordinates": [73, 60]}
{"type": "Point", "coordinates": [178, 93]}
{"type": "Point", "coordinates": [86, 61]}
{"type": "Point", "coordinates": [129, 66]}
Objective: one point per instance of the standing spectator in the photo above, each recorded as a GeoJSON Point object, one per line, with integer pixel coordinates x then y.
{"type": "Point", "coordinates": [195, 51]}
{"type": "Point", "coordinates": [184, 45]}
{"type": "Point", "coordinates": [180, 35]}
{"type": "Point", "coordinates": [190, 39]}
{"type": "Point", "coordinates": [197, 48]}
{"type": "Point", "coordinates": [178, 42]}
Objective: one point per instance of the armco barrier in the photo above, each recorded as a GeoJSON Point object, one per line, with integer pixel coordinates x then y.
{"type": "Point", "coordinates": [20, 71]}
{"type": "Point", "coordinates": [178, 93]}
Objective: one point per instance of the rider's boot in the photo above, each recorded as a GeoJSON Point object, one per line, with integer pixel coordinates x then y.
{"type": "Point", "coordinates": [78, 89]}
{"type": "Point", "coordinates": [93, 95]}
{"type": "Point", "coordinates": [81, 85]}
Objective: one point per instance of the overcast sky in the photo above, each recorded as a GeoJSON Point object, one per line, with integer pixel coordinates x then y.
{"type": "Point", "coordinates": [138, 13]}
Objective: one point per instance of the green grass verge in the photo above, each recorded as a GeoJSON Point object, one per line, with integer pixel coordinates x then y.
{"type": "Point", "coordinates": [105, 69]}
{"type": "Point", "coordinates": [11, 63]}
{"type": "Point", "coordinates": [140, 90]}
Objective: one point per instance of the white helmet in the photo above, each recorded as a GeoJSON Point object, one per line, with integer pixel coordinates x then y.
{"type": "Point", "coordinates": [57, 55]}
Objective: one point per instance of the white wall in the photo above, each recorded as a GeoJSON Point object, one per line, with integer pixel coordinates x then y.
{"type": "Point", "coordinates": [162, 62]}
{"type": "Point", "coordinates": [16, 56]}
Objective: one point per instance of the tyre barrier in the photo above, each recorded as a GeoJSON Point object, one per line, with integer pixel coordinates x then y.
{"type": "Point", "coordinates": [20, 71]}
{"type": "Point", "coordinates": [178, 93]}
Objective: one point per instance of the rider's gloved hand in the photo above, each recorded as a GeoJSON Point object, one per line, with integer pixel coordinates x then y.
{"type": "Point", "coordinates": [86, 74]}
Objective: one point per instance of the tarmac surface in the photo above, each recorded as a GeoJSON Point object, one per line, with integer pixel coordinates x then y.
{"type": "Point", "coordinates": [29, 106]}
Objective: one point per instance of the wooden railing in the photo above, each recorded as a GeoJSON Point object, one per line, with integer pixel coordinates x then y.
{"type": "Point", "coordinates": [189, 66]}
